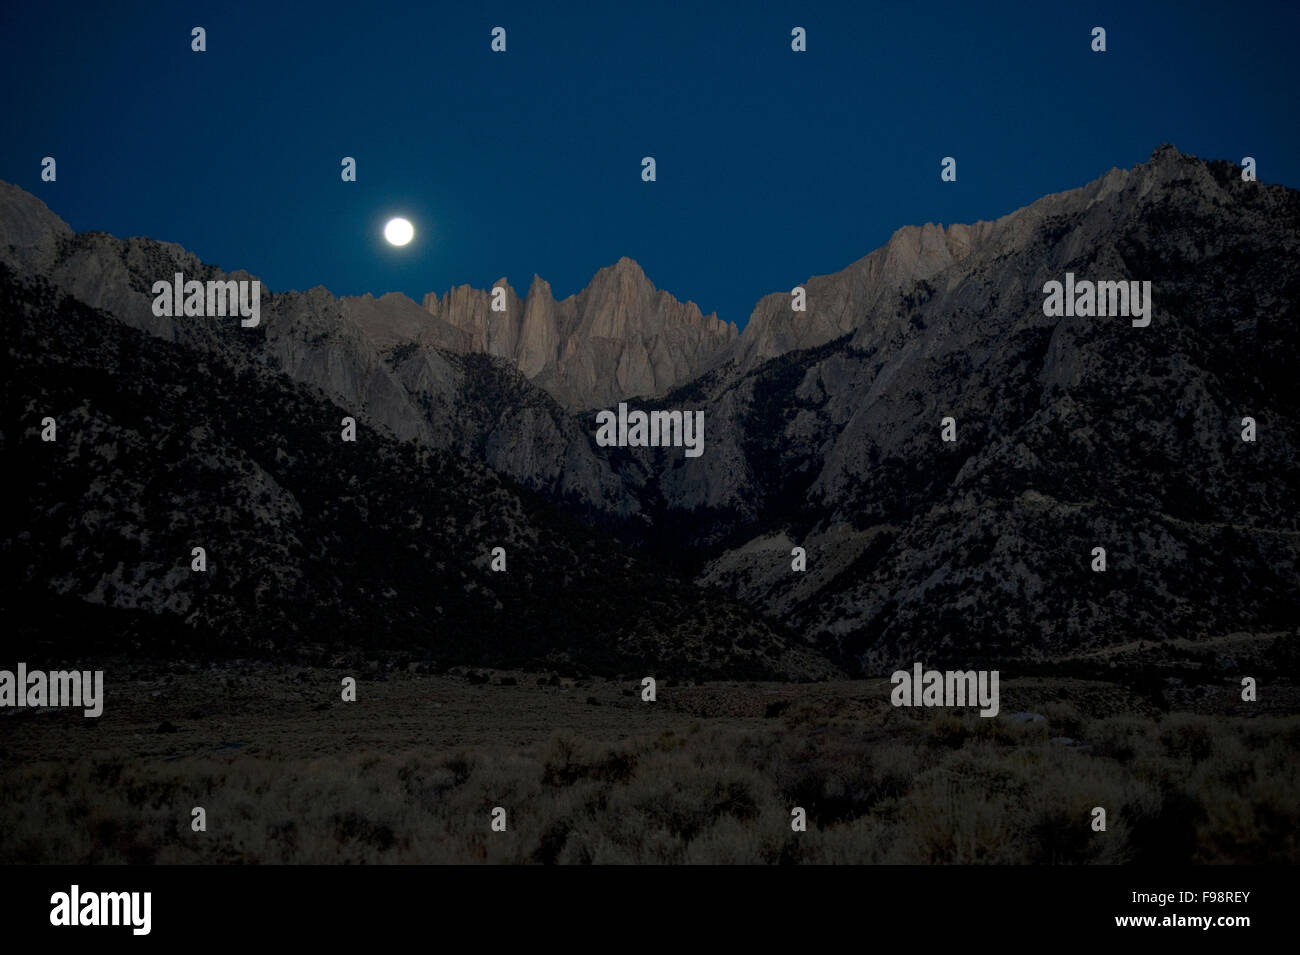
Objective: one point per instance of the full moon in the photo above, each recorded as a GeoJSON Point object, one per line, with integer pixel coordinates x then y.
{"type": "Point", "coordinates": [399, 231]}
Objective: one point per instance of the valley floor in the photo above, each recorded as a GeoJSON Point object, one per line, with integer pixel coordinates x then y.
{"type": "Point", "coordinates": [586, 772]}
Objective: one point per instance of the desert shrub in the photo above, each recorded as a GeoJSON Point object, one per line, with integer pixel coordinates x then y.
{"type": "Point", "coordinates": [1187, 736]}
{"type": "Point", "coordinates": [1065, 719]}
{"type": "Point", "coordinates": [1119, 737]}
{"type": "Point", "coordinates": [930, 787]}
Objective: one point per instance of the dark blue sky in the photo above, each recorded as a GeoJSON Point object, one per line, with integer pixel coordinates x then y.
{"type": "Point", "coordinates": [772, 165]}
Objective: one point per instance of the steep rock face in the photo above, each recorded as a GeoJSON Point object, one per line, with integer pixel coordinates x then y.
{"type": "Point", "coordinates": [485, 409]}
{"type": "Point", "coordinates": [314, 547]}
{"type": "Point", "coordinates": [30, 234]}
{"type": "Point", "coordinates": [823, 428]}
{"type": "Point", "coordinates": [469, 311]}
{"type": "Point", "coordinates": [619, 337]}
{"type": "Point", "coordinates": [394, 319]}
{"type": "Point", "coordinates": [859, 297]}
{"type": "Point", "coordinates": [391, 364]}
{"type": "Point", "coordinates": [1073, 433]}
{"type": "Point", "coordinates": [314, 337]}
{"type": "Point", "coordinates": [837, 303]}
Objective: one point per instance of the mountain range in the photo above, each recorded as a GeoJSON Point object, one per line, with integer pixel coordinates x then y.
{"type": "Point", "coordinates": [823, 432]}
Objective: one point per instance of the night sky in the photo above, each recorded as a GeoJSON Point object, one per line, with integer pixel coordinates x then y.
{"type": "Point", "coordinates": [772, 165]}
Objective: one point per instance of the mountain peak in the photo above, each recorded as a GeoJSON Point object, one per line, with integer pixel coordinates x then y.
{"type": "Point", "coordinates": [625, 271]}
{"type": "Point", "coordinates": [29, 228]}
{"type": "Point", "coordinates": [620, 337]}
{"type": "Point", "coordinates": [839, 303]}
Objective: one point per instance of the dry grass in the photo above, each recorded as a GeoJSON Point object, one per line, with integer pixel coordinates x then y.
{"type": "Point", "coordinates": [879, 786]}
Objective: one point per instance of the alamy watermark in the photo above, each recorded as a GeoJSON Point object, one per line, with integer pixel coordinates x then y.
{"type": "Point", "coordinates": [924, 687]}
{"type": "Point", "coordinates": [36, 688]}
{"type": "Point", "coordinates": [75, 907]}
{"type": "Point", "coordinates": [654, 429]}
{"type": "Point", "coordinates": [211, 299]}
{"type": "Point", "coordinates": [1086, 299]}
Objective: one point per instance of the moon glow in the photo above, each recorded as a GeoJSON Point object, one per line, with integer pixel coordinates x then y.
{"type": "Point", "coordinates": [399, 231]}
